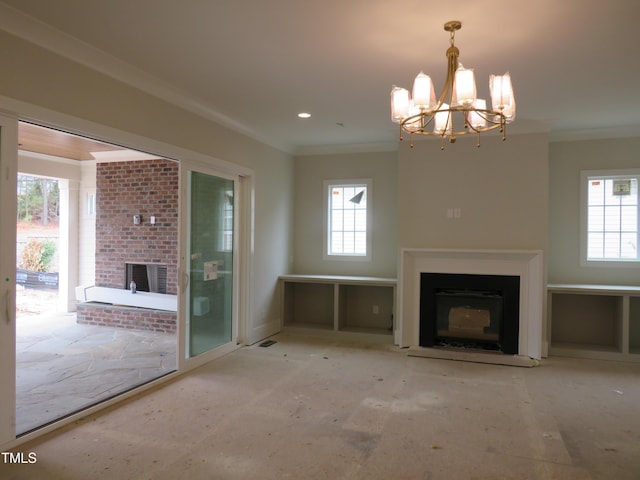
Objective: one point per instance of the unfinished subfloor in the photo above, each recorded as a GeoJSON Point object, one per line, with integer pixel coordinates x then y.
{"type": "Point", "coordinates": [313, 408]}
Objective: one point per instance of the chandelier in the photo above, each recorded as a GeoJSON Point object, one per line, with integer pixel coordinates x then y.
{"type": "Point", "coordinates": [422, 114]}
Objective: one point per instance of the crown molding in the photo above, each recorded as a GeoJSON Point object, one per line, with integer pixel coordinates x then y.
{"type": "Point", "coordinates": [343, 149]}
{"type": "Point", "coordinates": [625, 131]}
{"type": "Point", "coordinates": [39, 33]}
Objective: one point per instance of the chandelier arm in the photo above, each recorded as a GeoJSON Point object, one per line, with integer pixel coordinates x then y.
{"type": "Point", "coordinates": [472, 129]}
{"type": "Point", "coordinates": [491, 116]}
{"type": "Point", "coordinates": [427, 119]}
{"type": "Point", "coordinates": [454, 133]}
{"type": "Point", "coordinates": [452, 66]}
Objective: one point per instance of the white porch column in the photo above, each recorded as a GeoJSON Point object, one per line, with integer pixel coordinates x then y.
{"type": "Point", "coordinates": [68, 254]}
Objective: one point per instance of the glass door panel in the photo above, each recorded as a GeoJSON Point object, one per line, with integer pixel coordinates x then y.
{"type": "Point", "coordinates": [70, 357]}
{"type": "Point", "coordinates": [210, 258]}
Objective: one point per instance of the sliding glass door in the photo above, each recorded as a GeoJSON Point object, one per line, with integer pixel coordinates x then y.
{"type": "Point", "coordinates": [211, 283]}
{"type": "Point", "coordinates": [203, 219]}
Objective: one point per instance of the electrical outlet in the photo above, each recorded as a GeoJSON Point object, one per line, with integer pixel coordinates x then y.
{"type": "Point", "coordinates": [376, 310]}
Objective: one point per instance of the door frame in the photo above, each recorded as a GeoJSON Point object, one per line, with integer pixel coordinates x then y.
{"type": "Point", "coordinates": [8, 200]}
{"type": "Point", "coordinates": [12, 111]}
{"type": "Point", "coordinates": [241, 283]}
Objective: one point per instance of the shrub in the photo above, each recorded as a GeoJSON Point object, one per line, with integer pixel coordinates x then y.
{"type": "Point", "coordinates": [38, 254]}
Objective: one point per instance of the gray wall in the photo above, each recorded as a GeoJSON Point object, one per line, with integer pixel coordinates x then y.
{"type": "Point", "coordinates": [310, 173]}
{"type": "Point", "coordinates": [519, 194]}
{"type": "Point", "coordinates": [567, 160]}
{"type": "Point", "coordinates": [43, 79]}
{"type": "Point", "coordinates": [500, 189]}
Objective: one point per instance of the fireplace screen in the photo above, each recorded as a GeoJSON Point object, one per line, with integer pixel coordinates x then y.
{"type": "Point", "coordinates": [149, 277]}
{"type": "Point", "coordinates": [464, 316]}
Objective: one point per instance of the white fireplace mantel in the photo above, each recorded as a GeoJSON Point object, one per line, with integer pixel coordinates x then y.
{"type": "Point", "coordinates": [527, 264]}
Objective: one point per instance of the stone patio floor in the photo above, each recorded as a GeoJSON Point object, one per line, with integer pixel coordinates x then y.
{"type": "Point", "coordinates": [63, 367]}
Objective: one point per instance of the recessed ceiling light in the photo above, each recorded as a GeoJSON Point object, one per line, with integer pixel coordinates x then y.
{"type": "Point", "coordinates": [304, 115]}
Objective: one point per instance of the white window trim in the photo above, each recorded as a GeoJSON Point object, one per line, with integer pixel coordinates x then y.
{"type": "Point", "coordinates": [584, 177]}
{"type": "Point", "coordinates": [327, 184]}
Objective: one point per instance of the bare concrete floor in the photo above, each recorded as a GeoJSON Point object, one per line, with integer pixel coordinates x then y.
{"type": "Point", "coordinates": [311, 408]}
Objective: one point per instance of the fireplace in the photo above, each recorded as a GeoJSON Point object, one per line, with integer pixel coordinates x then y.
{"type": "Point", "coordinates": [149, 277]}
{"type": "Point", "coordinates": [469, 318]}
{"type": "Point", "coordinates": [470, 311]}
{"type": "Point", "coordinates": [527, 265]}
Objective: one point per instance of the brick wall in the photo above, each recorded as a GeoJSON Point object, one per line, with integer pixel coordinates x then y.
{"type": "Point", "coordinates": [126, 317]}
{"type": "Point", "coordinates": [125, 189]}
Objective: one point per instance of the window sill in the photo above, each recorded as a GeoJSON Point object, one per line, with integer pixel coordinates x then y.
{"type": "Point", "coordinates": [348, 258]}
{"type": "Point", "coordinates": [610, 263]}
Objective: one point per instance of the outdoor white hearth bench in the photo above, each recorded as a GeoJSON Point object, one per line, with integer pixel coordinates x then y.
{"type": "Point", "coordinates": [117, 307]}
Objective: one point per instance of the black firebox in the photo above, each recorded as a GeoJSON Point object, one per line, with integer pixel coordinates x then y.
{"type": "Point", "coordinates": [470, 311]}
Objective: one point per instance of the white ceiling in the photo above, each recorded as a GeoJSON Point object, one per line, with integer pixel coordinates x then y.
{"type": "Point", "coordinates": [254, 64]}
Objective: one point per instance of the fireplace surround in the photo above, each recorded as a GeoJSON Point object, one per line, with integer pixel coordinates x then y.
{"type": "Point", "coordinates": [527, 265]}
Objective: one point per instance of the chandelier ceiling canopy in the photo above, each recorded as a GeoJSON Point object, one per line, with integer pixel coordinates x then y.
{"type": "Point", "coordinates": [457, 111]}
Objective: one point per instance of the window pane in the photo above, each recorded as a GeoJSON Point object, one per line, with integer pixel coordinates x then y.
{"type": "Point", "coordinates": [336, 243]}
{"type": "Point", "coordinates": [596, 219]}
{"type": "Point", "coordinates": [349, 221]}
{"type": "Point", "coordinates": [632, 198]}
{"type": "Point", "coordinates": [596, 192]}
{"type": "Point", "coordinates": [612, 245]}
{"type": "Point", "coordinates": [609, 197]}
{"type": "Point", "coordinates": [361, 220]}
{"type": "Point", "coordinates": [629, 220]}
{"type": "Point", "coordinates": [349, 193]}
{"type": "Point", "coordinates": [361, 243]}
{"type": "Point", "coordinates": [595, 245]}
{"type": "Point", "coordinates": [336, 198]}
{"type": "Point", "coordinates": [349, 242]}
{"type": "Point", "coordinates": [612, 219]}
{"type": "Point", "coordinates": [336, 221]}
{"type": "Point", "coordinates": [628, 245]}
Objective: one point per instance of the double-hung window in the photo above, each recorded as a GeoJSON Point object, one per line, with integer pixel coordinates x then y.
{"type": "Point", "coordinates": [611, 216]}
{"type": "Point", "coordinates": [348, 219]}
{"type": "Point", "coordinates": [227, 222]}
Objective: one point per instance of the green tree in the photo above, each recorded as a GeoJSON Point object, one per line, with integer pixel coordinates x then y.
{"type": "Point", "coordinates": [38, 199]}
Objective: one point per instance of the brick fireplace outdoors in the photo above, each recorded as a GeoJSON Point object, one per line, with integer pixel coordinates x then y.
{"type": "Point", "coordinates": [147, 188]}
